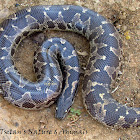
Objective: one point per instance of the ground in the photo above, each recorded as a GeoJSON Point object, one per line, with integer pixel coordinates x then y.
{"type": "Point", "coordinates": [18, 124]}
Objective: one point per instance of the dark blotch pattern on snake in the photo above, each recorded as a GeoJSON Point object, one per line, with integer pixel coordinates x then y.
{"type": "Point", "coordinates": [56, 64]}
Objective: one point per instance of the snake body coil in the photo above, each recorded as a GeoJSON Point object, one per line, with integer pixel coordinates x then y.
{"type": "Point", "coordinates": [62, 76]}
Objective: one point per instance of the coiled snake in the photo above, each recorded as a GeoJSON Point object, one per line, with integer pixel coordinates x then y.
{"type": "Point", "coordinates": [56, 64]}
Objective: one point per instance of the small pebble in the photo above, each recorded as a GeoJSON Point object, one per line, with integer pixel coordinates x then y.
{"type": "Point", "coordinates": [124, 28]}
{"type": "Point", "coordinates": [16, 124]}
{"type": "Point", "coordinates": [123, 16]}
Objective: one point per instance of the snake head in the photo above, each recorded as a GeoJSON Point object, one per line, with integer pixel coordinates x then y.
{"type": "Point", "coordinates": [63, 107]}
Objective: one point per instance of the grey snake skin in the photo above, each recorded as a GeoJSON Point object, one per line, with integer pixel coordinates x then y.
{"type": "Point", "coordinates": [56, 64]}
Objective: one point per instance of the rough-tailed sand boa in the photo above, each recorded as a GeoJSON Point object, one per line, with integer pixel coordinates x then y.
{"type": "Point", "coordinates": [56, 64]}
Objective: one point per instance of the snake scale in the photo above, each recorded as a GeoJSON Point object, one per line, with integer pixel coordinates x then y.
{"type": "Point", "coordinates": [56, 64]}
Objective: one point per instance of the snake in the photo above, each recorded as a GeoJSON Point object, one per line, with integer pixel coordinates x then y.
{"type": "Point", "coordinates": [56, 64]}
